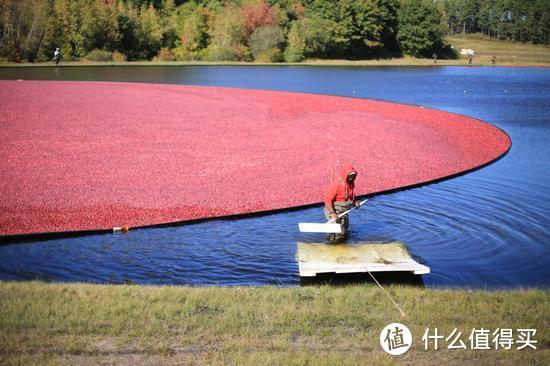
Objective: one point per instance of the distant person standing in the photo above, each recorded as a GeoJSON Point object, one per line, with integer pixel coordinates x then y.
{"type": "Point", "coordinates": [434, 56]}
{"type": "Point", "coordinates": [494, 60]}
{"type": "Point", "coordinates": [56, 56]}
{"type": "Point", "coordinates": [470, 56]}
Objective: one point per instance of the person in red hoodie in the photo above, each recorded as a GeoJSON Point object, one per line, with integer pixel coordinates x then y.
{"type": "Point", "coordinates": [340, 197]}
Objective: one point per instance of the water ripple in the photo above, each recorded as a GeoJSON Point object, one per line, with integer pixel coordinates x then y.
{"type": "Point", "coordinates": [488, 228]}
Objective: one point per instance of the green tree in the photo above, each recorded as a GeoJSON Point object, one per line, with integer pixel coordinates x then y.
{"type": "Point", "coordinates": [223, 29]}
{"type": "Point", "coordinates": [318, 35]}
{"type": "Point", "coordinates": [296, 45]}
{"type": "Point", "coordinates": [127, 24]}
{"type": "Point", "coordinates": [521, 30]}
{"type": "Point", "coordinates": [167, 8]}
{"type": "Point", "coordinates": [226, 31]}
{"type": "Point", "coordinates": [57, 32]}
{"type": "Point", "coordinates": [540, 21]}
{"type": "Point", "coordinates": [456, 16]}
{"type": "Point", "coordinates": [353, 29]}
{"type": "Point", "coordinates": [77, 9]}
{"type": "Point", "coordinates": [168, 19]}
{"type": "Point", "coordinates": [193, 36]}
{"type": "Point", "coordinates": [374, 25]}
{"type": "Point", "coordinates": [487, 19]}
{"type": "Point", "coordinates": [149, 32]}
{"type": "Point", "coordinates": [471, 9]}
{"type": "Point", "coordinates": [337, 22]}
{"type": "Point", "coordinates": [503, 19]}
{"type": "Point", "coordinates": [100, 27]}
{"type": "Point", "coordinates": [266, 43]}
{"type": "Point", "coordinates": [420, 32]}
{"type": "Point", "coordinates": [22, 28]}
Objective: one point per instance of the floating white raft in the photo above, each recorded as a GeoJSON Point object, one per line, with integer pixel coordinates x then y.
{"type": "Point", "coordinates": [314, 258]}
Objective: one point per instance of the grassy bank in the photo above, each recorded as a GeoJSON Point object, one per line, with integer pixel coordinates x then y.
{"type": "Point", "coordinates": [482, 60]}
{"type": "Point", "coordinates": [88, 324]}
{"type": "Point", "coordinates": [508, 54]}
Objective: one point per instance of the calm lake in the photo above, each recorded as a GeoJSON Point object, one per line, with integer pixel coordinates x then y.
{"type": "Point", "coordinates": [485, 229]}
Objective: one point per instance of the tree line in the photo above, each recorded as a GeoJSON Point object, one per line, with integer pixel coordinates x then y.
{"type": "Point", "coordinates": [251, 30]}
{"type": "Point", "coordinates": [517, 20]}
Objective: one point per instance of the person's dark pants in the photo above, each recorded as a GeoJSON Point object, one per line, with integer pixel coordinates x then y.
{"type": "Point", "coordinates": [339, 207]}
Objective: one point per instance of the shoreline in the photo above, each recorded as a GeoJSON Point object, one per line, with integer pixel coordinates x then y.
{"type": "Point", "coordinates": [508, 54]}
{"type": "Point", "coordinates": [404, 62]}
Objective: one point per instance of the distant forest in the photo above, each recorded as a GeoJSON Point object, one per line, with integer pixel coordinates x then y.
{"type": "Point", "coordinates": [257, 30]}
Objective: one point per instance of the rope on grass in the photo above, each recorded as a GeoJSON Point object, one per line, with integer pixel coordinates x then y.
{"type": "Point", "coordinates": [388, 294]}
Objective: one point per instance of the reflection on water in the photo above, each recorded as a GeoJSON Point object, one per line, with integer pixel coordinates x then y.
{"type": "Point", "coordinates": [488, 228]}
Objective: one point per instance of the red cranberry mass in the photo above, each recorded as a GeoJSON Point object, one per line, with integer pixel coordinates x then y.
{"type": "Point", "coordinates": [85, 156]}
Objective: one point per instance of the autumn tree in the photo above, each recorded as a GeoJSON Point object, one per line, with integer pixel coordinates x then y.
{"type": "Point", "coordinates": [251, 29]}
{"type": "Point", "coordinates": [257, 14]}
{"type": "Point", "coordinates": [193, 33]}
{"type": "Point", "coordinates": [226, 31]}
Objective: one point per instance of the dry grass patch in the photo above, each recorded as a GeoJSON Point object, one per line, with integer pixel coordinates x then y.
{"type": "Point", "coordinates": [89, 324]}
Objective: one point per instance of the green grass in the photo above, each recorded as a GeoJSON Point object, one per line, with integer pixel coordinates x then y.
{"type": "Point", "coordinates": [88, 324]}
{"type": "Point", "coordinates": [507, 53]}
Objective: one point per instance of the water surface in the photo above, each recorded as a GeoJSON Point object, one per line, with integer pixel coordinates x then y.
{"type": "Point", "coordinates": [486, 229]}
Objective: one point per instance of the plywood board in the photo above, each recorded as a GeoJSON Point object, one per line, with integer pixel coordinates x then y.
{"type": "Point", "coordinates": [314, 258]}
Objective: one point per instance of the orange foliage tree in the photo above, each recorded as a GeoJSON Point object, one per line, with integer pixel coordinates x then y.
{"type": "Point", "coordinates": [258, 15]}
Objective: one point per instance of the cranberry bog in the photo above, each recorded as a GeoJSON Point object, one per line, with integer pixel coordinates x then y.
{"type": "Point", "coordinates": [81, 156]}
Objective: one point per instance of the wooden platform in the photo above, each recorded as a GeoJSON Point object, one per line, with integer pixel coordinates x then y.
{"type": "Point", "coordinates": [314, 258]}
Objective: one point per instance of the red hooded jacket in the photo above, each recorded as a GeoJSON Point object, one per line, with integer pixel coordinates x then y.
{"type": "Point", "coordinates": [340, 189]}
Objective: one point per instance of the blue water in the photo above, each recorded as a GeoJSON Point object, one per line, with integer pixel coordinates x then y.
{"type": "Point", "coordinates": [486, 229]}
